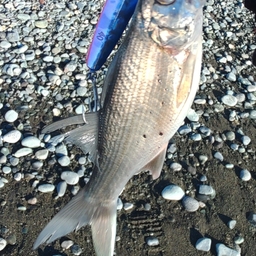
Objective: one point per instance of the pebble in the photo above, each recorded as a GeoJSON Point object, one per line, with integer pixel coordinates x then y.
{"type": "Point", "coordinates": [22, 208]}
{"type": "Point", "coordinates": [245, 140]}
{"type": "Point", "coordinates": [11, 239]}
{"type": "Point", "coordinates": [245, 175]}
{"type": "Point", "coordinates": [252, 218]}
{"type": "Point", "coordinates": [190, 204]}
{"type": "Point", "coordinates": [218, 156]}
{"type": "Point", "coordinates": [6, 169]}
{"type": "Point", "coordinates": [11, 116]}
{"type": "Point", "coordinates": [32, 200]}
{"type": "Point", "coordinates": [185, 129]}
{"type": "Point", "coordinates": [23, 152]}
{"type": "Point", "coordinates": [61, 150]}
{"type": "Point", "coordinates": [12, 69]}
{"type": "Point", "coordinates": [119, 204]}
{"type": "Point", "coordinates": [229, 100]}
{"type": "Point", "coordinates": [232, 224]}
{"type": "Point", "coordinates": [231, 77]}
{"type": "Point", "coordinates": [75, 249]}
{"type": "Point", "coordinates": [3, 243]}
{"type": "Point", "coordinates": [230, 135]}
{"type": "Point", "coordinates": [238, 239]}
{"type": "Point", "coordinates": [223, 250]}
{"type": "Point", "coordinates": [37, 165]}
{"type": "Point", "coordinates": [42, 154]}
{"type": "Point", "coordinates": [1, 183]}
{"type": "Point", "coordinates": [128, 206]}
{"type": "Point", "coordinates": [5, 44]}
{"type": "Point", "coordinates": [175, 167]}
{"type": "Point", "coordinates": [71, 178]}
{"type": "Point", "coordinates": [46, 188]}
{"type": "Point", "coordinates": [173, 192]}
{"type": "Point", "coordinates": [64, 160]}
{"type": "Point", "coordinates": [18, 176]}
{"type": "Point", "coordinates": [31, 142]}
{"type": "Point", "coordinates": [204, 244]}
{"type": "Point", "coordinates": [12, 136]}
{"type": "Point", "coordinates": [196, 137]}
{"type": "Point", "coordinates": [192, 115]}
{"type": "Point", "coordinates": [206, 190]}
{"type": "Point", "coordinates": [152, 241]}
{"type": "Point", "coordinates": [61, 188]}
{"type": "Point", "coordinates": [67, 244]}
{"type": "Point", "coordinates": [41, 23]}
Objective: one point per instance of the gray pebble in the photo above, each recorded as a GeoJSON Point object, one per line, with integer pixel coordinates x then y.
{"type": "Point", "coordinates": [61, 150]}
{"type": "Point", "coordinates": [11, 116]}
{"type": "Point", "coordinates": [41, 23]}
{"type": "Point", "coordinates": [46, 188]}
{"type": "Point", "coordinates": [71, 178]}
{"type": "Point", "coordinates": [31, 142]}
{"type": "Point", "coordinates": [61, 188]}
{"type": "Point", "coordinates": [204, 244]}
{"type": "Point", "coordinates": [230, 135]}
{"type": "Point", "coordinates": [253, 114]}
{"type": "Point", "coordinates": [81, 91]}
{"type": "Point", "coordinates": [152, 241]}
{"type": "Point", "coordinates": [119, 204]}
{"type": "Point", "coordinates": [64, 160]}
{"type": "Point", "coordinates": [67, 244]}
{"type": "Point", "coordinates": [190, 204]}
{"type": "Point", "coordinates": [42, 154]}
{"type": "Point", "coordinates": [196, 137]}
{"type": "Point", "coordinates": [232, 224]}
{"type": "Point", "coordinates": [223, 250]}
{"type": "Point", "coordinates": [128, 206]}
{"type": "Point", "coordinates": [14, 161]}
{"type": "Point", "coordinates": [238, 239]}
{"type": "Point", "coordinates": [229, 166]}
{"type": "Point", "coordinates": [245, 175]}
{"type": "Point", "coordinates": [173, 192]}
{"type": "Point", "coordinates": [3, 159]}
{"type": "Point", "coordinates": [206, 190]}
{"type": "Point", "coordinates": [1, 183]}
{"type": "Point", "coordinates": [11, 239]}
{"type": "Point", "coordinates": [12, 136]}
{"type": "Point", "coordinates": [175, 167]}
{"type": "Point", "coordinates": [185, 129]}
{"type": "Point", "coordinates": [82, 160]}
{"type": "Point", "coordinates": [80, 109]}
{"type": "Point", "coordinates": [22, 208]}
{"type": "Point", "coordinates": [23, 16]}
{"type": "Point", "coordinates": [48, 58]}
{"type": "Point", "coordinates": [76, 249]}
{"type": "Point", "coordinates": [5, 44]}
{"type": "Point", "coordinates": [245, 140]}
{"type": "Point", "coordinates": [6, 169]}
{"type": "Point", "coordinates": [23, 152]}
{"type": "Point", "coordinates": [192, 115]}
{"type": "Point", "coordinates": [30, 55]}
{"type": "Point", "coordinates": [231, 77]}
{"type": "Point", "coordinates": [218, 156]}
{"type": "Point", "coordinates": [70, 67]}
{"type": "Point", "coordinates": [13, 36]}
{"type": "Point", "coordinates": [229, 100]}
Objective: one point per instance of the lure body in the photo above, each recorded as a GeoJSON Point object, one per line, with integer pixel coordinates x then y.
{"type": "Point", "coordinates": [112, 22]}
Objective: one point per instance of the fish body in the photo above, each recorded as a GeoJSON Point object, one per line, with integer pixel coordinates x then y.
{"type": "Point", "coordinates": [150, 85]}
{"type": "Point", "coordinates": [111, 24]}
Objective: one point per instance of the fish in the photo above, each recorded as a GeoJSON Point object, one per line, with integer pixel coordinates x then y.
{"type": "Point", "coordinates": [149, 87]}
{"type": "Point", "coordinates": [110, 26]}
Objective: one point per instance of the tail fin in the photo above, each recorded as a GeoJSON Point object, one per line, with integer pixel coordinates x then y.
{"type": "Point", "coordinates": [79, 212]}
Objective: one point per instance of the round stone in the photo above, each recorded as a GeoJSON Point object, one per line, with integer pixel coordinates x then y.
{"type": "Point", "coordinates": [246, 140]}
{"type": "Point", "coordinates": [173, 192]}
{"type": "Point", "coordinates": [245, 175]}
{"type": "Point", "coordinates": [23, 152]}
{"type": "Point", "coordinates": [3, 243]}
{"type": "Point", "coordinates": [42, 154]}
{"type": "Point", "coordinates": [229, 100]}
{"type": "Point", "coordinates": [11, 116]}
{"type": "Point", "coordinates": [31, 142]}
{"type": "Point", "coordinates": [190, 204]}
{"type": "Point", "coordinates": [71, 178]}
{"type": "Point", "coordinates": [232, 224]}
{"type": "Point", "coordinates": [175, 167]}
{"type": "Point", "coordinates": [75, 249]}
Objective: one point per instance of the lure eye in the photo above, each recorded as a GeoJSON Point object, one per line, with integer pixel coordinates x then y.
{"type": "Point", "coordinates": [165, 2]}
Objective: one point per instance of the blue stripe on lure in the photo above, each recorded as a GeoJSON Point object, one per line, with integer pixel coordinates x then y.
{"type": "Point", "coordinates": [112, 22]}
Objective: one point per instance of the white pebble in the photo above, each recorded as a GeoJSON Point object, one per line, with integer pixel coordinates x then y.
{"type": "Point", "coordinates": [245, 175]}
{"type": "Point", "coordinates": [119, 204]}
{"type": "Point", "coordinates": [206, 190]}
{"type": "Point", "coordinates": [218, 156]}
{"type": "Point", "coordinates": [67, 244]}
{"type": "Point", "coordinates": [64, 161]}
{"type": "Point", "coordinates": [223, 250]}
{"type": "Point", "coordinates": [46, 188]}
{"type": "Point", "coordinates": [232, 224]}
{"type": "Point", "coordinates": [192, 115]}
{"type": "Point", "coordinates": [17, 176]}
{"type": "Point", "coordinates": [173, 192]}
{"type": "Point", "coordinates": [190, 204]}
{"type": "Point", "coordinates": [11, 116]}
{"type": "Point", "coordinates": [128, 206]}
{"type": "Point", "coordinates": [175, 167]}
{"type": "Point", "coordinates": [71, 178]}
{"type": "Point", "coordinates": [42, 154]}
{"type": "Point", "coordinates": [229, 100]}
{"type": "Point", "coordinates": [1, 183]}
{"type": "Point", "coordinates": [32, 200]}
{"type": "Point", "coordinates": [152, 241]}
{"type": "Point", "coordinates": [246, 140]}
{"type": "Point", "coordinates": [23, 152]}
{"type": "Point", "coordinates": [61, 188]}
{"type": "Point", "coordinates": [3, 243]}
{"type": "Point", "coordinates": [204, 244]}
{"type": "Point", "coordinates": [12, 136]}
{"type": "Point", "coordinates": [31, 142]}
{"type": "Point", "coordinates": [6, 169]}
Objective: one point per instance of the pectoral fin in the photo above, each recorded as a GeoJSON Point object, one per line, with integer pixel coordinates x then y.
{"type": "Point", "coordinates": [156, 164]}
{"type": "Point", "coordinates": [85, 137]}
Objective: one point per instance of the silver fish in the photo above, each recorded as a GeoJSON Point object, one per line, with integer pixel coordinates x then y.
{"type": "Point", "coordinates": [150, 85]}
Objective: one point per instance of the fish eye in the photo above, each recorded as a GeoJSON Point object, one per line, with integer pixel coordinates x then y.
{"type": "Point", "coordinates": [165, 2]}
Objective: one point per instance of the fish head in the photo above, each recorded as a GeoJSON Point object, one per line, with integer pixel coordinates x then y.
{"type": "Point", "coordinates": [172, 24]}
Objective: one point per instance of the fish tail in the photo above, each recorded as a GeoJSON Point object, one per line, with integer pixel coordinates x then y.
{"type": "Point", "coordinates": [78, 212]}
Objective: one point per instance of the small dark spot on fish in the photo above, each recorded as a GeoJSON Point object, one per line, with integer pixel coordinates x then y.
{"type": "Point", "coordinates": [161, 134]}
{"type": "Point", "coordinates": [144, 136]}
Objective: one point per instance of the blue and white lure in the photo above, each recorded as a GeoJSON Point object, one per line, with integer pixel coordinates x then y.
{"type": "Point", "coordinates": [111, 24]}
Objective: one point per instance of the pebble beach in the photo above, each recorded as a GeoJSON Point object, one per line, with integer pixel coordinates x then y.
{"type": "Point", "coordinates": [204, 203]}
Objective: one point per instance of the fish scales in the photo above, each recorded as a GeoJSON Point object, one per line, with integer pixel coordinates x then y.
{"type": "Point", "coordinates": [150, 85]}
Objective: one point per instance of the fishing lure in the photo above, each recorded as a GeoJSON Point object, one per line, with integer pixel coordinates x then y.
{"type": "Point", "coordinates": [112, 22]}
